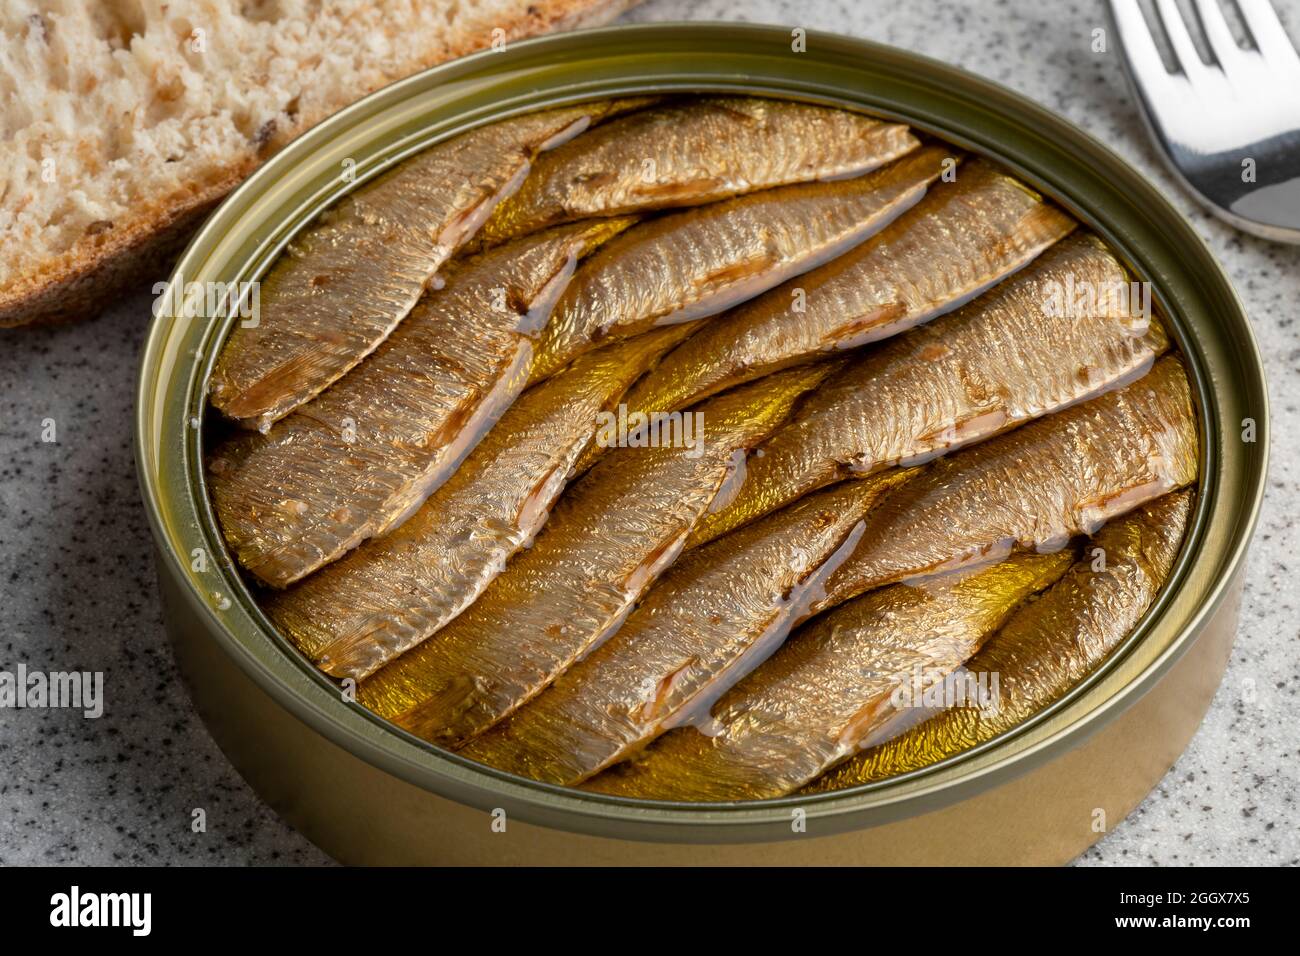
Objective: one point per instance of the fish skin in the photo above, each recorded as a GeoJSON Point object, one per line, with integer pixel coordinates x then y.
{"type": "Point", "coordinates": [1036, 486]}
{"type": "Point", "coordinates": [984, 369]}
{"type": "Point", "coordinates": [606, 541]}
{"type": "Point", "coordinates": [701, 150]}
{"type": "Point", "coordinates": [393, 592]}
{"type": "Point", "coordinates": [701, 261]}
{"type": "Point", "coordinates": [829, 687]}
{"type": "Point", "coordinates": [346, 282]}
{"type": "Point", "coordinates": [712, 617]}
{"type": "Point", "coordinates": [960, 239]}
{"type": "Point", "coordinates": [364, 454]}
{"type": "Point", "coordinates": [1047, 647]}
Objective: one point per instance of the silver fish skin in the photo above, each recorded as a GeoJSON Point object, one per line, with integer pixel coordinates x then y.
{"type": "Point", "coordinates": [713, 617]}
{"type": "Point", "coordinates": [958, 241]}
{"type": "Point", "coordinates": [346, 282]}
{"type": "Point", "coordinates": [1014, 354]}
{"type": "Point", "coordinates": [364, 454]}
{"type": "Point", "coordinates": [1035, 487]}
{"type": "Point", "coordinates": [393, 592]}
{"type": "Point", "coordinates": [831, 686]}
{"type": "Point", "coordinates": [607, 540]}
{"type": "Point", "coordinates": [695, 151]}
{"type": "Point", "coordinates": [704, 260]}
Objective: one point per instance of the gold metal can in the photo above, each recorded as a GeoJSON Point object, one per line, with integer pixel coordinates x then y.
{"type": "Point", "coordinates": [368, 793]}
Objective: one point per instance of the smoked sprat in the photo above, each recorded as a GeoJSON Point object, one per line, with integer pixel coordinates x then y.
{"type": "Point", "coordinates": [660, 446]}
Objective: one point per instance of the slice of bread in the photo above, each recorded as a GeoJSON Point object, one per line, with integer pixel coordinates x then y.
{"type": "Point", "coordinates": [125, 121]}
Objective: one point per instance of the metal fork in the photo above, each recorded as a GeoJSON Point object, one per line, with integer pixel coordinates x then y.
{"type": "Point", "coordinates": [1230, 130]}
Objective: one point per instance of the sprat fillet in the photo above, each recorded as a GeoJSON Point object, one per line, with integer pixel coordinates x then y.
{"type": "Point", "coordinates": [1016, 353]}
{"type": "Point", "coordinates": [959, 240]}
{"type": "Point", "coordinates": [367, 452]}
{"type": "Point", "coordinates": [713, 617]}
{"type": "Point", "coordinates": [346, 282]}
{"type": "Point", "coordinates": [694, 152]}
{"type": "Point", "coordinates": [606, 541]}
{"type": "Point", "coordinates": [391, 593]}
{"type": "Point", "coordinates": [695, 263]}
{"type": "Point", "coordinates": [1035, 487]}
{"type": "Point", "coordinates": [1046, 648]}
{"type": "Point", "coordinates": [832, 685]}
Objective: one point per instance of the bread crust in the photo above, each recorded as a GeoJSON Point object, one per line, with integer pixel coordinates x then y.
{"type": "Point", "coordinates": [81, 281]}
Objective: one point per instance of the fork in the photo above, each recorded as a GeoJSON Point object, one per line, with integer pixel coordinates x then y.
{"type": "Point", "coordinates": [1229, 130]}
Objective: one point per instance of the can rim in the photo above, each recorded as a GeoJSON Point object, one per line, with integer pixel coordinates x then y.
{"type": "Point", "coordinates": [1049, 152]}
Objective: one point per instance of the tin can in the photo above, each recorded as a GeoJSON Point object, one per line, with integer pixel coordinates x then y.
{"type": "Point", "coordinates": [366, 792]}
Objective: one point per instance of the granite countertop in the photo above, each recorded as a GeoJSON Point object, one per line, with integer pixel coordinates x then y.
{"type": "Point", "coordinates": [79, 589]}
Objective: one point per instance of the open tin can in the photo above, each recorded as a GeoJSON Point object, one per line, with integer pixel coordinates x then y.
{"type": "Point", "coordinates": [367, 792]}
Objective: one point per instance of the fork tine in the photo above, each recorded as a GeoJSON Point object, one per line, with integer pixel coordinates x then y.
{"type": "Point", "coordinates": [1221, 40]}
{"type": "Point", "coordinates": [1184, 50]}
{"type": "Point", "coordinates": [1144, 61]}
{"type": "Point", "coordinates": [1267, 32]}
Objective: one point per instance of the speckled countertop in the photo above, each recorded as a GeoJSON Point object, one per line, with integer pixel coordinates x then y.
{"type": "Point", "coordinates": [77, 584]}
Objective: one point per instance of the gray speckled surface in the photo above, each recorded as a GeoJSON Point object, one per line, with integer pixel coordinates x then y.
{"type": "Point", "coordinates": [77, 587]}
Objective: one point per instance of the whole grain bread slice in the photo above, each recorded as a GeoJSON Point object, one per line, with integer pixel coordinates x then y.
{"type": "Point", "coordinates": [125, 121]}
